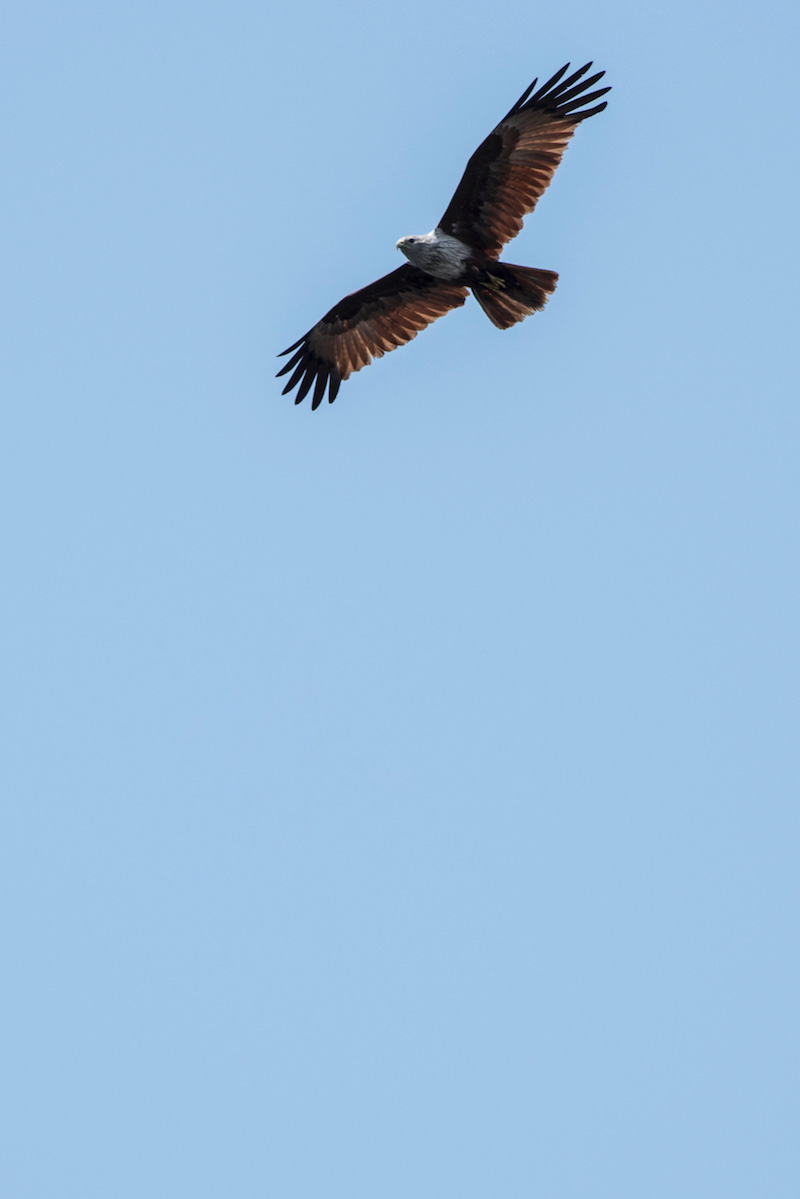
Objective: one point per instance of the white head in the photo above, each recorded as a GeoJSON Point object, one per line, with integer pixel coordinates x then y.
{"type": "Point", "coordinates": [436, 253]}
{"type": "Point", "coordinates": [409, 246]}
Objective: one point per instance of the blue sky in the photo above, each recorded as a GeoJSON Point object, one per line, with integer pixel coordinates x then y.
{"type": "Point", "coordinates": [401, 798]}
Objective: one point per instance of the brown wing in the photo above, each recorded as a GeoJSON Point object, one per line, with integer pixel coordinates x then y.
{"type": "Point", "coordinates": [366, 325]}
{"type": "Point", "coordinates": [513, 167]}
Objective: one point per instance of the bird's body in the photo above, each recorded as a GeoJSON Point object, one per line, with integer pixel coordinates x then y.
{"type": "Point", "coordinates": [503, 181]}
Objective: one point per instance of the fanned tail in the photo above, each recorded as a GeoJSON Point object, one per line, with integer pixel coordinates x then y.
{"type": "Point", "coordinates": [511, 293]}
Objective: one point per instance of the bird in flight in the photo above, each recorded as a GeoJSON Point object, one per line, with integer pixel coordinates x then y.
{"type": "Point", "coordinates": [504, 179]}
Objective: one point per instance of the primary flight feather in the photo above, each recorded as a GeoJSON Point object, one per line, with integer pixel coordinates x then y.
{"type": "Point", "coordinates": [503, 181]}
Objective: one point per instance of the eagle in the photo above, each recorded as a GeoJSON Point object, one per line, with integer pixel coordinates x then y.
{"type": "Point", "coordinates": [504, 179]}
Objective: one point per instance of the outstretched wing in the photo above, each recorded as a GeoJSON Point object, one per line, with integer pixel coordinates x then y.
{"type": "Point", "coordinates": [366, 325]}
{"type": "Point", "coordinates": [513, 167]}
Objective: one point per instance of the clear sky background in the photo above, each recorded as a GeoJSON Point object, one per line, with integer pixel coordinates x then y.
{"type": "Point", "coordinates": [401, 800]}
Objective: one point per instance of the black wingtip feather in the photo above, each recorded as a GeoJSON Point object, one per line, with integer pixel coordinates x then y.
{"type": "Point", "coordinates": [295, 379]}
{"type": "Point", "coordinates": [556, 94]}
{"type": "Point", "coordinates": [569, 109]}
{"type": "Point", "coordinates": [299, 342]}
{"type": "Point", "coordinates": [292, 361]}
{"type": "Point", "coordinates": [545, 88]}
{"type": "Point", "coordinates": [593, 111]}
{"type": "Point", "coordinates": [516, 107]}
{"type": "Point", "coordinates": [309, 370]}
{"type": "Point", "coordinates": [565, 96]}
{"type": "Point", "coordinates": [319, 390]}
{"type": "Point", "coordinates": [305, 386]}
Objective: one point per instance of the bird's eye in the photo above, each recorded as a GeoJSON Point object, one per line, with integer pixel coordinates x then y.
{"type": "Point", "coordinates": [411, 240]}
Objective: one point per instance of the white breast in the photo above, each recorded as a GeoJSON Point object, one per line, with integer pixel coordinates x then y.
{"type": "Point", "coordinates": [438, 254]}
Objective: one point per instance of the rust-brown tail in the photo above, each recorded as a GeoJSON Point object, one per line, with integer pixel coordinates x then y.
{"type": "Point", "coordinates": [513, 292]}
